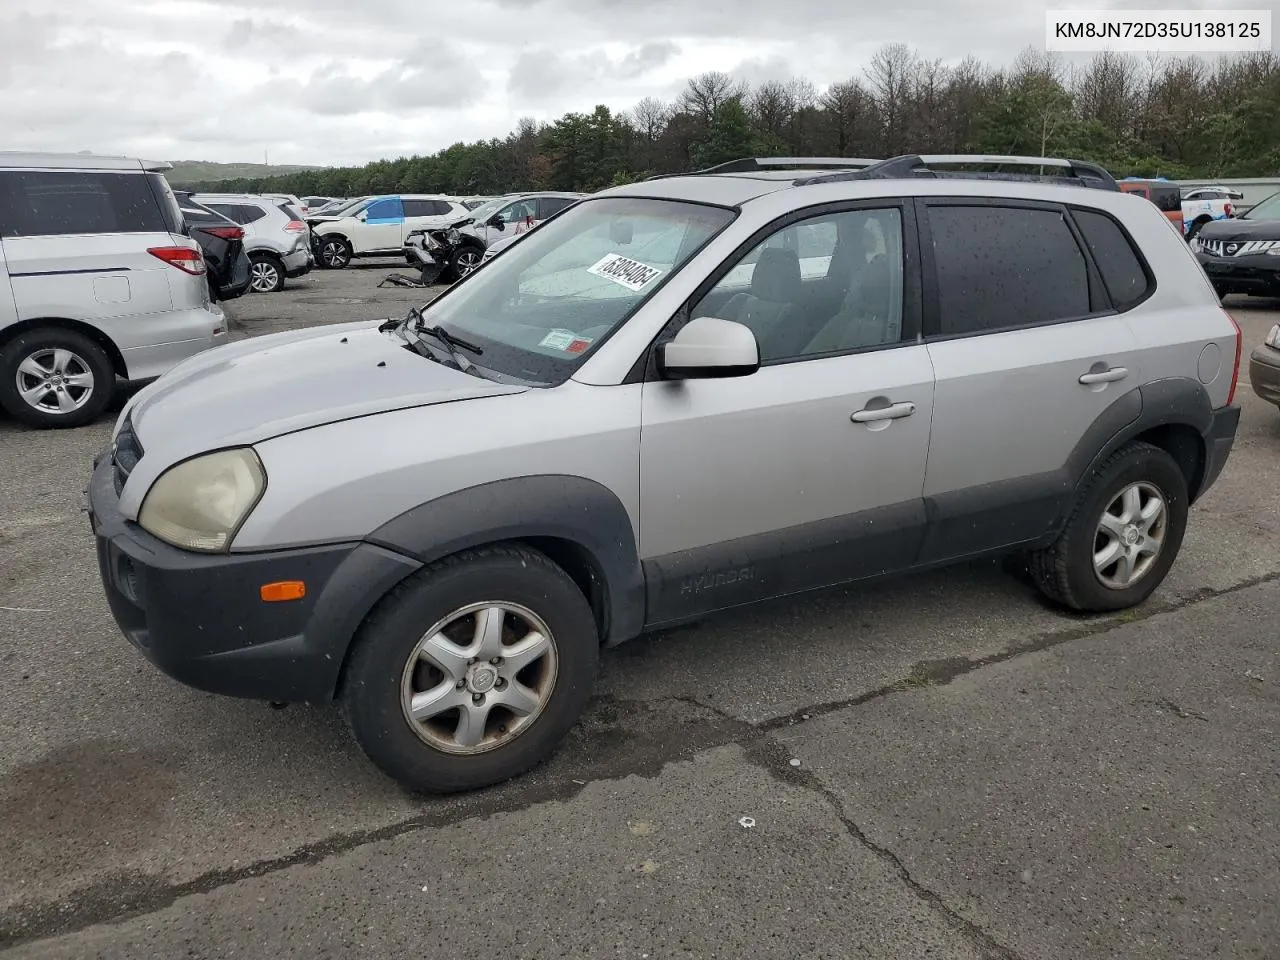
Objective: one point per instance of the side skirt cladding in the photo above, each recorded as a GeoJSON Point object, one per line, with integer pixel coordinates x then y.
{"type": "Point", "coordinates": [571, 513]}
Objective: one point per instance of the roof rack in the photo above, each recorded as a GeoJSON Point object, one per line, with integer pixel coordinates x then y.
{"type": "Point", "coordinates": [921, 165]}
{"type": "Point", "coordinates": [760, 164]}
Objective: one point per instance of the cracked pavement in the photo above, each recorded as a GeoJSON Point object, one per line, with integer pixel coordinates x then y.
{"type": "Point", "coordinates": [937, 766]}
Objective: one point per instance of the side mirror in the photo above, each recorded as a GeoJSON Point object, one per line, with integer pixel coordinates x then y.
{"type": "Point", "coordinates": [709, 347]}
{"type": "Point", "coordinates": [362, 216]}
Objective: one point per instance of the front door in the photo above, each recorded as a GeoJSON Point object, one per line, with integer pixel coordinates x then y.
{"type": "Point", "coordinates": [1028, 356]}
{"type": "Point", "coordinates": [383, 227]}
{"type": "Point", "coordinates": [808, 472]}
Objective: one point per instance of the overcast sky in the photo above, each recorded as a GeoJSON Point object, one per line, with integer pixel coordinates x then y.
{"type": "Point", "coordinates": [347, 81]}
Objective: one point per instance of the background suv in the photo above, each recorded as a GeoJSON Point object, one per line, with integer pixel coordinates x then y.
{"type": "Point", "coordinates": [678, 397]}
{"type": "Point", "coordinates": [98, 283]}
{"type": "Point", "coordinates": [378, 226]}
{"type": "Point", "coordinates": [278, 241]}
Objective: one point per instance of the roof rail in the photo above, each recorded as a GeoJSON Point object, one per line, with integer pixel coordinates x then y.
{"type": "Point", "coordinates": [921, 165]}
{"type": "Point", "coordinates": [758, 164]}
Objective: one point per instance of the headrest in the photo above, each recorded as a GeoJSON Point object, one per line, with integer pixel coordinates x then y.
{"type": "Point", "coordinates": [777, 276]}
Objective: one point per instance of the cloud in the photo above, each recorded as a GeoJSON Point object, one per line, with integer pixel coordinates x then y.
{"type": "Point", "coordinates": [331, 81]}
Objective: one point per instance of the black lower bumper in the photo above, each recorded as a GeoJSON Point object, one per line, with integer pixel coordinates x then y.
{"type": "Point", "coordinates": [1217, 445]}
{"type": "Point", "coordinates": [200, 617]}
{"type": "Point", "coordinates": [1258, 274]}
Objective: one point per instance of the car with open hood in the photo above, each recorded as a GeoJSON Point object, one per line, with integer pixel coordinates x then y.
{"type": "Point", "coordinates": [676, 397]}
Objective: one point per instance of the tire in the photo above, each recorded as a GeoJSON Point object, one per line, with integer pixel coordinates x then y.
{"type": "Point", "coordinates": [435, 756]}
{"type": "Point", "coordinates": [335, 253]}
{"type": "Point", "coordinates": [1065, 572]}
{"type": "Point", "coordinates": [1196, 227]}
{"type": "Point", "coordinates": [266, 273]}
{"type": "Point", "coordinates": [464, 260]}
{"type": "Point", "coordinates": [44, 355]}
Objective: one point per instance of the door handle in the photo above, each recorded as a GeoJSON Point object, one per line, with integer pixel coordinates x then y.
{"type": "Point", "coordinates": [892, 412]}
{"type": "Point", "coordinates": [1104, 376]}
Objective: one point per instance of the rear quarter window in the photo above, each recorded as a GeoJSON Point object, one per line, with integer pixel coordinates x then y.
{"type": "Point", "coordinates": [35, 203]}
{"type": "Point", "coordinates": [1126, 278]}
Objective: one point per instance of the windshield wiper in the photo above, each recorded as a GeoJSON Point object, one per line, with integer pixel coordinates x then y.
{"type": "Point", "coordinates": [415, 325]}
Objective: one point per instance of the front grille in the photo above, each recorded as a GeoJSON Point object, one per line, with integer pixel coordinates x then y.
{"type": "Point", "coordinates": [1237, 248]}
{"type": "Point", "coordinates": [125, 454]}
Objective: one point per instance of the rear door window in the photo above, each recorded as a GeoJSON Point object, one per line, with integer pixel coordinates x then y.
{"type": "Point", "coordinates": [549, 206]}
{"type": "Point", "coordinates": [43, 203]}
{"type": "Point", "coordinates": [1004, 267]}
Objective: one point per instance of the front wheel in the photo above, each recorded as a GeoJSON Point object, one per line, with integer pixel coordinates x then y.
{"type": "Point", "coordinates": [1123, 535]}
{"type": "Point", "coordinates": [335, 253]}
{"type": "Point", "coordinates": [465, 260]}
{"type": "Point", "coordinates": [472, 671]}
{"type": "Point", "coordinates": [55, 378]}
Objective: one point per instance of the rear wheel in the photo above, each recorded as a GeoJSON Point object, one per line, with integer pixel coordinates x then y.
{"type": "Point", "coordinates": [266, 273]}
{"type": "Point", "coordinates": [472, 671]}
{"type": "Point", "coordinates": [55, 378]}
{"type": "Point", "coordinates": [1196, 227]}
{"type": "Point", "coordinates": [1123, 535]}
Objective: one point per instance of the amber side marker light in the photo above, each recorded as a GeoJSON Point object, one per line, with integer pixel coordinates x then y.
{"type": "Point", "coordinates": [283, 590]}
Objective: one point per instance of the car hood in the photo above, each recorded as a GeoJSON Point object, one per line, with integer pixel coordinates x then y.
{"type": "Point", "coordinates": [1241, 230]}
{"type": "Point", "coordinates": [255, 389]}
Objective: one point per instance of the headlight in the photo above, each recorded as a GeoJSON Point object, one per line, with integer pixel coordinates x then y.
{"type": "Point", "coordinates": [200, 503]}
{"type": "Point", "coordinates": [1273, 338]}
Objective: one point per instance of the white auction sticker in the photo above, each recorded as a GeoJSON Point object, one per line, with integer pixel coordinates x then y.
{"type": "Point", "coordinates": [558, 339]}
{"type": "Point", "coordinates": [629, 273]}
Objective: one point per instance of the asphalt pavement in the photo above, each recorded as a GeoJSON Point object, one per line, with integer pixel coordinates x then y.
{"type": "Point", "coordinates": [935, 766]}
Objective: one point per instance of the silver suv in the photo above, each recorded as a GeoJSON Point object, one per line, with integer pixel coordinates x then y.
{"type": "Point", "coordinates": [276, 236]}
{"type": "Point", "coordinates": [677, 397]}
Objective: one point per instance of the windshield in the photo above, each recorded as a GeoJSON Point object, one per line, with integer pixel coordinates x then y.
{"type": "Point", "coordinates": [486, 209]}
{"type": "Point", "coordinates": [1268, 209]}
{"type": "Point", "coordinates": [541, 308]}
{"type": "Point", "coordinates": [349, 207]}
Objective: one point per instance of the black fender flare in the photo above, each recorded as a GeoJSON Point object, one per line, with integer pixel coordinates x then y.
{"type": "Point", "coordinates": [1173, 401]}
{"type": "Point", "coordinates": [575, 511]}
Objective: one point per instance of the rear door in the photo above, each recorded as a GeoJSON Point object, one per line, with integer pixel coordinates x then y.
{"type": "Point", "coordinates": [1028, 355]}
{"type": "Point", "coordinates": [8, 309]}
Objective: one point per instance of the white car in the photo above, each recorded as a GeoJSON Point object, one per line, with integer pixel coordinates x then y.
{"type": "Point", "coordinates": [98, 283]}
{"type": "Point", "coordinates": [379, 226]}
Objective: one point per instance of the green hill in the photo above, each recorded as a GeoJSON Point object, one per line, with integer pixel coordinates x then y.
{"type": "Point", "coordinates": [186, 172]}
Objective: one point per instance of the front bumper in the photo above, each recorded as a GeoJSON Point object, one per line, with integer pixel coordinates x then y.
{"type": "Point", "coordinates": [1264, 373]}
{"type": "Point", "coordinates": [199, 617]}
{"type": "Point", "coordinates": [1258, 274]}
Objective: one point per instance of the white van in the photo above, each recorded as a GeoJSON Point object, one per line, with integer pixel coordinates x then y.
{"type": "Point", "coordinates": [98, 283]}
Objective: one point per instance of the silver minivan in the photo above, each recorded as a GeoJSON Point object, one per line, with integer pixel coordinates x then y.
{"type": "Point", "coordinates": [98, 284]}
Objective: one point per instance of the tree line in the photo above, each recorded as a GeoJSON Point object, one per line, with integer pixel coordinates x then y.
{"type": "Point", "coordinates": [1180, 118]}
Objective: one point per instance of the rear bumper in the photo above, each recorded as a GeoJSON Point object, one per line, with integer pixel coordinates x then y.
{"type": "Point", "coordinates": [1217, 445]}
{"type": "Point", "coordinates": [298, 263]}
{"type": "Point", "coordinates": [1264, 373]}
{"type": "Point", "coordinates": [199, 617]}
{"type": "Point", "coordinates": [205, 328]}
